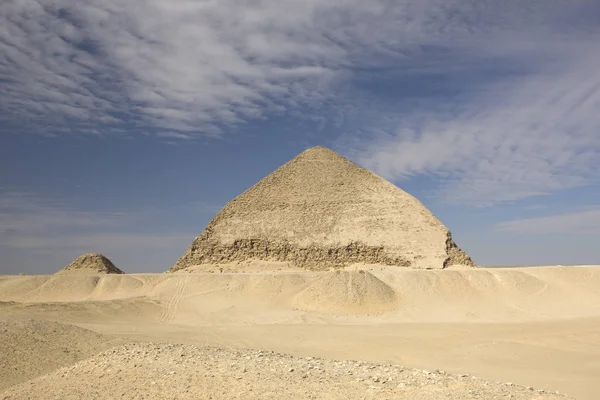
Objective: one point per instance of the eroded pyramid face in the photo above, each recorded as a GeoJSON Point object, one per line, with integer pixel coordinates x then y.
{"type": "Point", "coordinates": [319, 211]}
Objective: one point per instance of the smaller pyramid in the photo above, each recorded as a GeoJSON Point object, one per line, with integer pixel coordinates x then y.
{"type": "Point", "coordinates": [91, 263]}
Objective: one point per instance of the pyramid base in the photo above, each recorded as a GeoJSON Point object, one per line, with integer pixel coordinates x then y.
{"type": "Point", "coordinates": [312, 257]}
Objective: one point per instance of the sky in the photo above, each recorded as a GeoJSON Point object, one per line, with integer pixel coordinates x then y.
{"type": "Point", "coordinates": [126, 126]}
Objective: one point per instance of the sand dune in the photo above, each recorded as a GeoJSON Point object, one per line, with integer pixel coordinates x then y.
{"type": "Point", "coordinates": [533, 326]}
{"type": "Point", "coordinates": [503, 295]}
{"type": "Point", "coordinates": [346, 292]}
{"type": "Point", "coordinates": [76, 287]}
{"type": "Point", "coordinates": [32, 348]}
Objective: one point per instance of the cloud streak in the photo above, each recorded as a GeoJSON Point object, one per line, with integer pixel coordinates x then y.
{"type": "Point", "coordinates": [157, 66]}
{"type": "Point", "coordinates": [514, 118]}
{"type": "Point", "coordinates": [496, 99]}
{"type": "Point", "coordinates": [526, 136]}
{"type": "Point", "coordinates": [586, 222]}
{"type": "Point", "coordinates": [95, 242]}
{"type": "Point", "coordinates": [24, 213]}
{"type": "Point", "coordinates": [194, 67]}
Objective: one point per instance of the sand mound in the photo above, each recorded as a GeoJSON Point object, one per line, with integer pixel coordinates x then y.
{"type": "Point", "coordinates": [90, 263]}
{"type": "Point", "coordinates": [346, 292]}
{"type": "Point", "coordinates": [33, 348]}
{"type": "Point", "coordinates": [319, 211]}
{"type": "Point", "coordinates": [158, 371]}
{"type": "Point", "coordinates": [76, 287]}
{"type": "Point", "coordinates": [271, 287]}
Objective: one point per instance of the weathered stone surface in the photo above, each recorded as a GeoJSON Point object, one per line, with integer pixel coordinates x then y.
{"type": "Point", "coordinates": [90, 263]}
{"type": "Point", "coordinates": [319, 211]}
{"type": "Point", "coordinates": [312, 257]}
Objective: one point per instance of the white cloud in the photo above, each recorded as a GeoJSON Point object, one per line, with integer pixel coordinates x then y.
{"type": "Point", "coordinates": [165, 65]}
{"type": "Point", "coordinates": [196, 66]}
{"type": "Point", "coordinates": [513, 138]}
{"type": "Point", "coordinates": [179, 69]}
{"type": "Point", "coordinates": [586, 222]}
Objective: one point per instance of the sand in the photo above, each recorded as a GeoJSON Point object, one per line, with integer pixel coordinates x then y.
{"type": "Point", "coordinates": [32, 348]}
{"type": "Point", "coordinates": [535, 327]}
{"type": "Point", "coordinates": [192, 372]}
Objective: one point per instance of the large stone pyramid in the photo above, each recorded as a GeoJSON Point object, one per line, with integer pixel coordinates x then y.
{"type": "Point", "coordinates": [320, 210]}
{"type": "Point", "coordinates": [90, 263]}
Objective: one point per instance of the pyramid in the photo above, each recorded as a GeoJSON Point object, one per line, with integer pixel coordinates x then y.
{"type": "Point", "coordinates": [320, 210]}
{"type": "Point", "coordinates": [90, 263]}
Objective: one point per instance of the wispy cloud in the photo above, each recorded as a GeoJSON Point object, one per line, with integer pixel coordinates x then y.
{"type": "Point", "coordinates": [499, 117]}
{"type": "Point", "coordinates": [159, 66]}
{"type": "Point", "coordinates": [505, 107]}
{"type": "Point", "coordinates": [42, 234]}
{"type": "Point", "coordinates": [520, 137]}
{"type": "Point", "coordinates": [28, 222]}
{"type": "Point", "coordinates": [95, 242]}
{"type": "Point", "coordinates": [25, 213]}
{"type": "Point", "coordinates": [580, 222]}
{"type": "Point", "coordinates": [184, 68]}
{"type": "Point", "coordinates": [203, 208]}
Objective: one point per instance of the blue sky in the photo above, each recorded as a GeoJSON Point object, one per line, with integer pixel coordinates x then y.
{"type": "Point", "coordinates": [125, 126]}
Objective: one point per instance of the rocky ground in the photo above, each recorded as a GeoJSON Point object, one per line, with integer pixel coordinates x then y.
{"type": "Point", "coordinates": [30, 348]}
{"type": "Point", "coordinates": [168, 371]}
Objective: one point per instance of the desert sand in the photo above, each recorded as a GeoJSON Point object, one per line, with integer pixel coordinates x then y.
{"type": "Point", "coordinates": [324, 281]}
{"type": "Point", "coordinates": [467, 333]}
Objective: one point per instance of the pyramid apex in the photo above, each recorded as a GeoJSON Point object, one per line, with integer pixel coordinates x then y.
{"type": "Point", "coordinates": [319, 152]}
{"type": "Point", "coordinates": [318, 149]}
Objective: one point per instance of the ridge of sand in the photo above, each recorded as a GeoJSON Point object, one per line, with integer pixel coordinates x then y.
{"type": "Point", "coordinates": [90, 263]}
{"type": "Point", "coordinates": [320, 210]}
{"type": "Point", "coordinates": [532, 326]}
{"type": "Point", "coordinates": [346, 292]}
{"type": "Point", "coordinates": [448, 295]}
{"type": "Point", "coordinates": [158, 371]}
{"type": "Point", "coordinates": [76, 287]}
{"type": "Point", "coordinates": [31, 348]}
